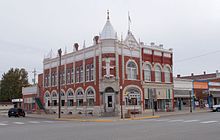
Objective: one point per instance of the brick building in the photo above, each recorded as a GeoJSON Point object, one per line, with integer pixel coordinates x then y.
{"type": "Point", "coordinates": [206, 88]}
{"type": "Point", "coordinates": [100, 78]}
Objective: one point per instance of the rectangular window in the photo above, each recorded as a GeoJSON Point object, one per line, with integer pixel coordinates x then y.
{"type": "Point", "coordinates": [54, 102]}
{"type": "Point", "coordinates": [48, 103]}
{"type": "Point", "coordinates": [55, 79]}
{"type": "Point", "coordinates": [62, 102]}
{"type": "Point", "coordinates": [52, 79]}
{"type": "Point", "coordinates": [79, 102]}
{"type": "Point", "coordinates": [147, 75]}
{"type": "Point", "coordinates": [72, 75]}
{"type": "Point", "coordinates": [91, 72]}
{"type": "Point", "coordinates": [90, 102]}
{"type": "Point", "coordinates": [68, 78]}
{"type": "Point", "coordinates": [81, 74]}
{"type": "Point", "coordinates": [87, 72]}
{"type": "Point", "coordinates": [77, 75]}
{"type": "Point", "coordinates": [70, 102]}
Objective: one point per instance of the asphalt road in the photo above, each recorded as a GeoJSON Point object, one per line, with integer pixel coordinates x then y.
{"type": "Point", "coordinates": [200, 126]}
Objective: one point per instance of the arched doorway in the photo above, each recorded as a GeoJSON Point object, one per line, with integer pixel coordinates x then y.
{"type": "Point", "coordinates": [109, 100]}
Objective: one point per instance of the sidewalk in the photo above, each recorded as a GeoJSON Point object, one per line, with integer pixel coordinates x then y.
{"type": "Point", "coordinates": [88, 118]}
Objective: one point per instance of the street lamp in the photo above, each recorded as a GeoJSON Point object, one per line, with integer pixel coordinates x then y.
{"type": "Point", "coordinates": [121, 100]}
{"type": "Point", "coordinates": [190, 101]}
{"type": "Point", "coordinates": [60, 53]}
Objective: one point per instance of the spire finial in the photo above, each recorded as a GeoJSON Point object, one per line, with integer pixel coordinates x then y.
{"type": "Point", "coordinates": [107, 14]}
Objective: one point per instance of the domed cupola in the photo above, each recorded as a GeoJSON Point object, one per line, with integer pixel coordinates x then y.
{"type": "Point", "coordinates": [108, 31]}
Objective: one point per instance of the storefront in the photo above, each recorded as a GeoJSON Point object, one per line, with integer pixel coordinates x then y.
{"type": "Point", "coordinates": [214, 89]}
{"type": "Point", "coordinates": [201, 92]}
{"type": "Point", "coordinates": [182, 93]}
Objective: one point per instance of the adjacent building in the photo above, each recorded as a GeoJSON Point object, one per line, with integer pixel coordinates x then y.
{"type": "Point", "coordinates": [110, 76]}
{"type": "Point", "coordinates": [206, 88]}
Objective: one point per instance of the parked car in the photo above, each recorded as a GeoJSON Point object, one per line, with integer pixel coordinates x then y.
{"type": "Point", "coordinates": [17, 112]}
{"type": "Point", "coordinates": [216, 108]}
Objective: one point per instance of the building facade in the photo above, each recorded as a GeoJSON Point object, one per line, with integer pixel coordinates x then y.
{"type": "Point", "coordinates": [29, 95]}
{"type": "Point", "coordinates": [109, 77]}
{"type": "Point", "coordinates": [206, 89]}
{"type": "Point", "coordinates": [183, 93]}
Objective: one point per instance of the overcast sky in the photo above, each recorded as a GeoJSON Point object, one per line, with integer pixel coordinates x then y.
{"type": "Point", "coordinates": [29, 29]}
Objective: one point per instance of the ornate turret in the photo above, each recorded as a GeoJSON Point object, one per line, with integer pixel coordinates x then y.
{"type": "Point", "coordinates": [108, 31]}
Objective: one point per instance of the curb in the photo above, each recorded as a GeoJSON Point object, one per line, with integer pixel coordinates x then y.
{"type": "Point", "coordinates": [83, 120]}
{"type": "Point", "coordinates": [145, 117]}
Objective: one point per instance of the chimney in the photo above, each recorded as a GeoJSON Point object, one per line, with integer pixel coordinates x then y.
{"type": "Point", "coordinates": [192, 74]}
{"type": "Point", "coordinates": [178, 75]}
{"type": "Point", "coordinates": [217, 73]}
{"type": "Point", "coordinates": [96, 40]}
{"type": "Point", "coordinates": [161, 45]}
{"type": "Point", "coordinates": [76, 45]}
{"type": "Point", "coordinates": [204, 73]}
{"type": "Point", "coordinates": [152, 43]}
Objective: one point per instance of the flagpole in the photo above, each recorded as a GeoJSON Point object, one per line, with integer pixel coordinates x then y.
{"type": "Point", "coordinates": [129, 21]}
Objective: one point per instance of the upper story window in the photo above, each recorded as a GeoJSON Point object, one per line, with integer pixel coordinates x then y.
{"type": "Point", "coordinates": [91, 72]}
{"type": "Point", "coordinates": [81, 74]}
{"type": "Point", "coordinates": [167, 74]}
{"type": "Point", "coordinates": [87, 72]}
{"type": "Point", "coordinates": [68, 76]}
{"type": "Point", "coordinates": [131, 70]}
{"type": "Point", "coordinates": [62, 78]}
{"type": "Point", "coordinates": [147, 72]}
{"type": "Point", "coordinates": [158, 77]}
{"type": "Point", "coordinates": [72, 75]}
{"type": "Point", "coordinates": [46, 80]}
{"type": "Point", "coordinates": [77, 75]}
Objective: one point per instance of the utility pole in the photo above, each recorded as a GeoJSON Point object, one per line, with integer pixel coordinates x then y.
{"type": "Point", "coordinates": [190, 101]}
{"type": "Point", "coordinates": [60, 53]}
{"type": "Point", "coordinates": [34, 80]}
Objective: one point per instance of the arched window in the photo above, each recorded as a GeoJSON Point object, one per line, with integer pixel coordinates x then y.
{"type": "Point", "coordinates": [62, 94]}
{"type": "Point", "coordinates": [79, 97]}
{"type": "Point", "coordinates": [70, 93]}
{"type": "Point", "coordinates": [147, 72]}
{"type": "Point", "coordinates": [167, 74]}
{"type": "Point", "coordinates": [158, 74]}
{"type": "Point", "coordinates": [54, 99]}
{"type": "Point", "coordinates": [47, 95]}
{"type": "Point", "coordinates": [131, 70]}
{"type": "Point", "coordinates": [62, 98]}
{"type": "Point", "coordinates": [70, 98]}
{"type": "Point", "coordinates": [90, 97]}
{"type": "Point", "coordinates": [133, 97]}
{"type": "Point", "coordinates": [54, 94]}
{"type": "Point", "coordinates": [47, 99]}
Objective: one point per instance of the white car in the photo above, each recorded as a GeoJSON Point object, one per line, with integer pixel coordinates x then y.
{"type": "Point", "coordinates": [216, 108]}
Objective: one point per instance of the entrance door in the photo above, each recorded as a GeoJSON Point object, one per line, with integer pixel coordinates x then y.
{"type": "Point", "coordinates": [109, 102]}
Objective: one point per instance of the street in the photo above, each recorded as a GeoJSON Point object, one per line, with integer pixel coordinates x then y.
{"type": "Point", "coordinates": [201, 126]}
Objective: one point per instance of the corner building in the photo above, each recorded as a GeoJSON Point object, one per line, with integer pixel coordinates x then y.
{"type": "Point", "coordinates": [108, 76]}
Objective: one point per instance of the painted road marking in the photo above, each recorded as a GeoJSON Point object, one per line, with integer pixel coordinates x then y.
{"type": "Point", "coordinates": [162, 120]}
{"type": "Point", "coordinates": [48, 121]}
{"type": "Point", "coordinates": [205, 122]}
{"type": "Point", "coordinates": [176, 121]}
{"type": "Point", "coordinates": [33, 122]}
{"type": "Point", "coordinates": [187, 121]}
{"type": "Point", "coordinates": [18, 122]}
{"type": "Point", "coordinates": [3, 124]}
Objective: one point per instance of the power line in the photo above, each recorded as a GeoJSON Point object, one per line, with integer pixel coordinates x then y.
{"type": "Point", "coordinates": [195, 57]}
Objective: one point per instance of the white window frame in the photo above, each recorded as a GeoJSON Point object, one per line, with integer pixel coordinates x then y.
{"type": "Point", "coordinates": [158, 74]}
{"type": "Point", "coordinates": [147, 72]}
{"type": "Point", "coordinates": [132, 71]}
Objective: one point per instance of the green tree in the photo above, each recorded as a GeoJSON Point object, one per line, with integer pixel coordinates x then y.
{"type": "Point", "coordinates": [12, 83]}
